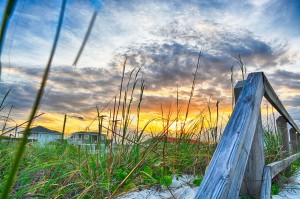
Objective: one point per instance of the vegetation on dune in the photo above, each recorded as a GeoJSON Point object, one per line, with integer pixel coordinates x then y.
{"type": "Point", "coordinates": [67, 171]}
{"type": "Point", "coordinates": [63, 170]}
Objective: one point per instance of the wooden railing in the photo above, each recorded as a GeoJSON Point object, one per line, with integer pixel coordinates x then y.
{"type": "Point", "coordinates": [238, 164]}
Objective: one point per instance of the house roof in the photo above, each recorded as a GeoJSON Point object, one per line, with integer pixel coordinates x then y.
{"type": "Point", "coordinates": [42, 130]}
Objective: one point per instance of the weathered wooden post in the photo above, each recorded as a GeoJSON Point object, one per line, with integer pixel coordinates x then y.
{"type": "Point", "coordinates": [298, 141]}
{"type": "Point", "coordinates": [293, 137]}
{"type": "Point", "coordinates": [253, 176]}
{"type": "Point", "coordinates": [64, 126]}
{"type": "Point", "coordinates": [236, 155]}
{"type": "Point", "coordinates": [296, 144]}
{"type": "Point", "coordinates": [267, 184]}
{"type": "Point", "coordinates": [282, 127]}
{"type": "Point", "coordinates": [16, 129]}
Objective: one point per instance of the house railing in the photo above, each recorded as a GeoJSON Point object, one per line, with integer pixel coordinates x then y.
{"type": "Point", "coordinates": [238, 164]}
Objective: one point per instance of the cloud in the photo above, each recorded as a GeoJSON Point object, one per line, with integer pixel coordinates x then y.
{"type": "Point", "coordinates": [120, 24]}
{"type": "Point", "coordinates": [285, 15]}
{"type": "Point", "coordinates": [78, 90]}
{"type": "Point", "coordinates": [73, 89]}
{"type": "Point", "coordinates": [173, 61]}
{"type": "Point", "coordinates": [283, 74]}
{"type": "Point", "coordinates": [162, 37]}
{"type": "Point", "coordinates": [165, 64]}
{"type": "Point", "coordinates": [282, 79]}
{"type": "Point", "coordinates": [293, 101]}
{"type": "Point", "coordinates": [287, 85]}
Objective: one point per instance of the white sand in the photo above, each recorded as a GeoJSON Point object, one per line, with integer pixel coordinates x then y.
{"type": "Point", "coordinates": [180, 188]}
{"type": "Point", "coordinates": [292, 190]}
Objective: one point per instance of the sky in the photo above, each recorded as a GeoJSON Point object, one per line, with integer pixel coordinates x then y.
{"type": "Point", "coordinates": [163, 39]}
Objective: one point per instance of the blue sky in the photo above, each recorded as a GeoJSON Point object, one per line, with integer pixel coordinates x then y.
{"type": "Point", "coordinates": [163, 36]}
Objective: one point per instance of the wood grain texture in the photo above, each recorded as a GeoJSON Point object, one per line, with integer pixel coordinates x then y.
{"type": "Point", "coordinates": [272, 97]}
{"type": "Point", "coordinates": [238, 89]}
{"type": "Point", "coordinates": [256, 162]}
{"type": "Point", "coordinates": [298, 141]}
{"type": "Point", "coordinates": [267, 183]}
{"type": "Point", "coordinates": [277, 167]}
{"type": "Point", "coordinates": [245, 184]}
{"type": "Point", "coordinates": [272, 170]}
{"type": "Point", "coordinates": [252, 180]}
{"type": "Point", "coordinates": [293, 137]}
{"type": "Point", "coordinates": [225, 172]}
{"type": "Point", "coordinates": [281, 124]}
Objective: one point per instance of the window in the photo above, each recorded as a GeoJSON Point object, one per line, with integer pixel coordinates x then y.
{"type": "Point", "coordinates": [86, 137]}
{"type": "Point", "coordinates": [94, 138]}
{"type": "Point", "coordinates": [102, 137]}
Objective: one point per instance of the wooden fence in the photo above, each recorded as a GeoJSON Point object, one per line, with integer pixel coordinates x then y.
{"type": "Point", "coordinates": [238, 164]}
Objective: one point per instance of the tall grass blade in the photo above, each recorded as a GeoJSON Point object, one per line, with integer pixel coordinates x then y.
{"type": "Point", "coordinates": [160, 137]}
{"type": "Point", "coordinates": [13, 35]}
{"type": "Point", "coordinates": [232, 87]}
{"type": "Point", "coordinates": [7, 14]}
{"type": "Point", "coordinates": [21, 148]}
{"type": "Point", "coordinates": [193, 87]}
{"type": "Point", "coordinates": [17, 126]}
{"type": "Point", "coordinates": [101, 112]}
{"type": "Point", "coordinates": [242, 67]}
{"type": "Point", "coordinates": [64, 126]}
{"type": "Point", "coordinates": [86, 37]}
{"type": "Point", "coordinates": [121, 88]}
{"type": "Point", "coordinates": [4, 98]}
{"type": "Point", "coordinates": [7, 118]}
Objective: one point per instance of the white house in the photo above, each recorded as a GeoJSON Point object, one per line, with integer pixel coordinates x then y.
{"type": "Point", "coordinates": [82, 137]}
{"type": "Point", "coordinates": [42, 134]}
{"type": "Point", "coordinates": [88, 140]}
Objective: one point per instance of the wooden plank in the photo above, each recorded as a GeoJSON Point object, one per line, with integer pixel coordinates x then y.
{"type": "Point", "coordinates": [272, 97]}
{"type": "Point", "coordinates": [238, 88]}
{"type": "Point", "coordinates": [267, 183]}
{"type": "Point", "coordinates": [281, 124]}
{"type": "Point", "coordinates": [293, 137]}
{"type": "Point", "coordinates": [252, 180]}
{"type": "Point", "coordinates": [253, 177]}
{"type": "Point", "coordinates": [272, 170]}
{"type": "Point", "coordinates": [256, 162]}
{"type": "Point", "coordinates": [223, 177]}
{"type": "Point", "coordinates": [298, 141]}
{"type": "Point", "coordinates": [277, 167]}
